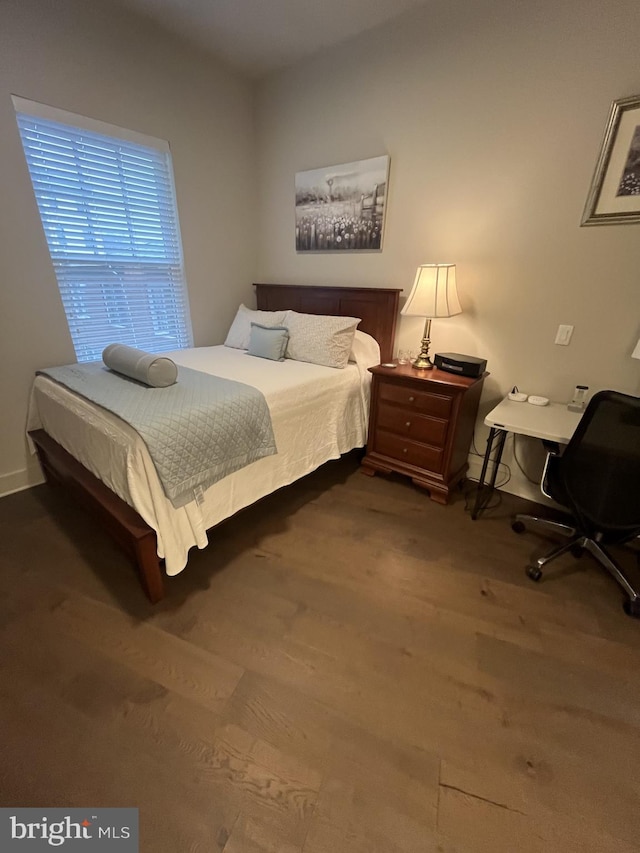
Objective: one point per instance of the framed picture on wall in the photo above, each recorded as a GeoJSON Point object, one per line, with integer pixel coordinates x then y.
{"type": "Point", "coordinates": [342, 208]}
{"type": "Point", "coordinates": [614, 196]}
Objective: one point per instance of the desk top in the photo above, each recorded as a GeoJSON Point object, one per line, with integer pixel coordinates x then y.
{"type": "Point", "coordinates": [553, 422]}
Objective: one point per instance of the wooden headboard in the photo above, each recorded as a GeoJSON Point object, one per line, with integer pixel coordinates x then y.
{"type": "Point", "coordinates": [377, 307]}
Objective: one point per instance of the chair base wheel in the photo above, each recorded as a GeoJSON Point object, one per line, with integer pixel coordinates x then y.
{"type": "Point", "coordinates": [534, 573]}
{"type": "Point", "coordinates": [576, 551]}
{"type": "Point", "coordinates": [632, 608]}
{"type": "Point", "coordinates": [518, 527]}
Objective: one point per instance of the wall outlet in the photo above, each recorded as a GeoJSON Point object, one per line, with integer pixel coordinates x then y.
{"type": "Point", "coordinates": [563, 335]}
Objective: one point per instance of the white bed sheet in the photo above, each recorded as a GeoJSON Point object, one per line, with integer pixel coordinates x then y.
{"type": "Point", "coordinates": [317, 412]}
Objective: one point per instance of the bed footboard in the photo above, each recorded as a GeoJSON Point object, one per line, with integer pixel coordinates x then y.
{"type": "Point", "coordinates": [120, 521]}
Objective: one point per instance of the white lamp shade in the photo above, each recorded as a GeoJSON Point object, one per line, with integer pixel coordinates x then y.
{"type": "Point", "coordinates": [636, 352]}
{"type": "Point", "coordinates": [434, 292]}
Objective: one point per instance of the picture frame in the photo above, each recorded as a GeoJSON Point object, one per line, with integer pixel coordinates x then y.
{"type": "Point", "coordinates": [342, 208]}
{"type": "Point", "coordinates": [614, 196]}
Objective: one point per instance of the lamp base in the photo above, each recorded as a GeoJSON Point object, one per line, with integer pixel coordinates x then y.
{"type": "Point", "coordinates": [423, 362]}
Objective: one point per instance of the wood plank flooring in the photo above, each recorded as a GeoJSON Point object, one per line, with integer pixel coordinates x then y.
{"type": "Point", "coordinates": [348, 668]}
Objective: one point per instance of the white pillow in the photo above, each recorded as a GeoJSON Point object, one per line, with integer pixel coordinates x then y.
{"type": "Point", "coordinates": [365, 350]}
{"type": "Point", "coordinates": [320, 339]}
{"type": "Point", "coordinates": [240, 331]}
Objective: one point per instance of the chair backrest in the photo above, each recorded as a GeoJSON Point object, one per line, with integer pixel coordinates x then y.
{"type": "Point", "coordinates": [600, 467]}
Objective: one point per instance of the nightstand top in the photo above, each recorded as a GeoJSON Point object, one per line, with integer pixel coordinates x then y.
{"type": "Point", "coordinates": [407, 371]}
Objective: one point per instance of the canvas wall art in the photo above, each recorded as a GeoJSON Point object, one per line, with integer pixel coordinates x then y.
{"type": "Point", "coordinates": [342, 208]}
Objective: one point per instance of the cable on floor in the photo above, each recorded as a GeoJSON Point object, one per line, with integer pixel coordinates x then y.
{"type": "Point", "coordinates": [495, 501]}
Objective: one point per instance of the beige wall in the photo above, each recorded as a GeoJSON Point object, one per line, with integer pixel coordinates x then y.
{"type": "Point", "coordinates": [104, 63]}
{"type": "Point", "coordinates": [493, 114]}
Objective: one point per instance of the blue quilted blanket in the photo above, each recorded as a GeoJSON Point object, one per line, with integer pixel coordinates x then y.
{"type": "Point", "coordinates": [197, 431]}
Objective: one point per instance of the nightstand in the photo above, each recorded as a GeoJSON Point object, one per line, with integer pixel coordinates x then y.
{"type": "Point", "coordinates": [421, 424]}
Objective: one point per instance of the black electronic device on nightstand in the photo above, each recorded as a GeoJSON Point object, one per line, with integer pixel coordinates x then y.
{"type": "Point", "coordinates": [463, 365]}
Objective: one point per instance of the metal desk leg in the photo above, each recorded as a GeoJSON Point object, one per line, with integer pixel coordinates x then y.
{"type": "Point", "coordinates": [501, 435]}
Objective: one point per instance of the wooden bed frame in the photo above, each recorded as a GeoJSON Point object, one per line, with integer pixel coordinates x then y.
{"type": "Point", "coordinates": [378, 310]}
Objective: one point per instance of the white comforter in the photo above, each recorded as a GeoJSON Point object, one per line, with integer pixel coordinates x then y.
{"type": "Point", "coordinates": [317, 413]}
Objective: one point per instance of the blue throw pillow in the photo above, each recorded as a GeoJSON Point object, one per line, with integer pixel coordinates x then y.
{"type": "Point", "coordinates": [268, 341]}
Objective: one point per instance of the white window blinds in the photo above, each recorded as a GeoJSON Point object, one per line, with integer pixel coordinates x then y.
{"type": "Point", "coordinates": [108, 209]}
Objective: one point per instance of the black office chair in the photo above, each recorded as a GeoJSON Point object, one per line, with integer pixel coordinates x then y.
{"type": "Point", "coordinates": [597, 479]}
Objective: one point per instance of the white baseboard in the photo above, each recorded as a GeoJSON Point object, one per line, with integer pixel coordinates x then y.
{"type": "Point", "coordinates": [17, 481]}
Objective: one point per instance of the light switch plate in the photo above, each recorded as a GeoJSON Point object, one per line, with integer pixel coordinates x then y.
{"type": "Point", "coordinates": [563, 335]}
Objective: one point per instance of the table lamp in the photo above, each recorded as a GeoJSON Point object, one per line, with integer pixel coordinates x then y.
{"type": "Point", "coordinates": [434, 294]}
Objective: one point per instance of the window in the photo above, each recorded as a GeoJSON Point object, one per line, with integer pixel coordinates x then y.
{"type": "Point", "coordinates": [107, 203]}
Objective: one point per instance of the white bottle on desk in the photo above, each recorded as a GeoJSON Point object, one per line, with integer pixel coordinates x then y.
{"type": "Point", "coordinates": [579, 399]}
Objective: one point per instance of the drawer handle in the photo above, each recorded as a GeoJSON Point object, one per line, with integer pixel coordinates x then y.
{"type": "Point", "coordinates": [405, 449]}
{"type": "Point", "coordinates": [411, 399]}
{"type": "Point", "coordinates": [408, 424]}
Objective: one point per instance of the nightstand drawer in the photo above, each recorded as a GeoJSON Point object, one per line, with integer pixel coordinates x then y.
{"type": "Point", "coordinates": [410, 424]}
{"type": "Point", "coordinates": [420, 455]}
{"type": "Point", "coordinates": [419, 401]}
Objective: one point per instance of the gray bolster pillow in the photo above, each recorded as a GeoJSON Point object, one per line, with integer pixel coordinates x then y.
{"type": "Point", "coordinates": [155, 370]}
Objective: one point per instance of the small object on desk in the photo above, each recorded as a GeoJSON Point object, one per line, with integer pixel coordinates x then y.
{"type": "Point", "coordinates": [517, 396]}
{"type": "Point", "coordinates": [579, 399]}
{"type": "Point", "coordinates": [538, 401]}
{"type": "Point", "coordinates": [388, 364]}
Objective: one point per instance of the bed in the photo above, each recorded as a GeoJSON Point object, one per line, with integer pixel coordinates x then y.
{"type": "Point", "coordinates": [104, 461]}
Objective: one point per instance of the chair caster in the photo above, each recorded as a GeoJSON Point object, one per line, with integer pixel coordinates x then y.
{"type": "Point", "coordinates": [534, 573]}
{"type": "Point", "coordinates": [576, 551]}
{"type": "Point", "coordinates": [518, 526]}
{"type": "Point", "coordinates": [632, 607]}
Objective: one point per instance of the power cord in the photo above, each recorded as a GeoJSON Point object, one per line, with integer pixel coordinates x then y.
{"type": "Point", "coordinates": [501, 466]}
{"type": "Point", "coordinates": [470, 495]}
{"type": "Point", "coordinates": [522, 471]}
{"type": "Point", "coordinates": [471, 492]}
{"type": "Point", "coordinates": [474, 449]}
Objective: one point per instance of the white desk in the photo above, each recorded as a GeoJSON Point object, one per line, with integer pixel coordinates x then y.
{"type": "Point", "coordinates": [550, 423]}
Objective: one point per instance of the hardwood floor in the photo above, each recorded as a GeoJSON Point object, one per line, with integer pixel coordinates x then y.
{"type": "Point", "coordinates": [348, 668]}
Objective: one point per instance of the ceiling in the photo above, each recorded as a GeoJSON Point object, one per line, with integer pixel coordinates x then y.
{"type": "Point", "coordinates": [256, 37]}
